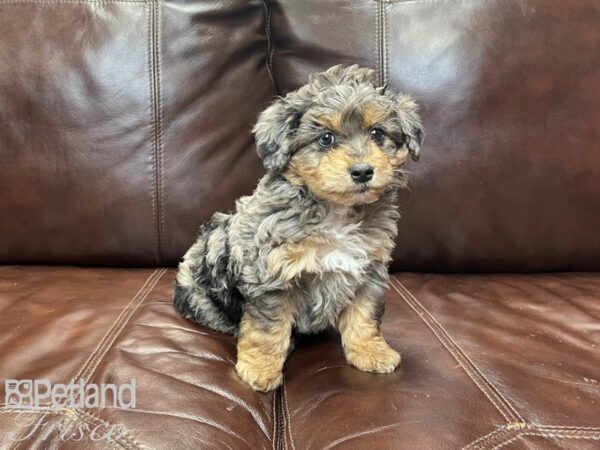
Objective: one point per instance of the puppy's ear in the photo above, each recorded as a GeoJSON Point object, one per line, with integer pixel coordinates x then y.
{"type": "Point", "coordinates": [274, 131]}
{"type": "Point", "coordinates": [410, 124]}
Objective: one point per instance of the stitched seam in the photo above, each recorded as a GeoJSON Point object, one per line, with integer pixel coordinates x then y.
{"type": "Point", "coordinates": [508, 441]}
{"type": "Point", "coordinates": [384, 51]}
{"type": "Point", "coordinates": [100, 356]}
{"type": "Point", "coordinates": [278, 436]}
{"type": "Point", "coordinates": [378, 43]}
{"type": "Point", "coordinates": [566, 427]}
{"type": "Point", "coordinates": [154, 132]}
{"type": "Point", "coordinates": [504, 434]}
{"type": "Point", "coordinates": [68, 417]}
{"type": "Point", "coordinates": [90, 418]}
{"type": "Point", "coordinates": [498, 393]}
{"type": "Point", "coordinates": [535, 433]}
{"type": "Point", "coordinates": [160, 128]}
{"type": "Point", "coordinates": [270, 45]}
{"type": "Point", "coordinates": [486, 438]}
{"type": "Point", "coordinates": [114, 325]}
{"type": "Point", "coordinates": [511, 410]}
{"type": "Point", "coordinates": [274, 420]}
{"type": "Point", "coordinates": [444, 338]}
{"type": "Point", "coordinates": [283, 421]}
{"type": "Point", "coordinates": [110, 331]}
{"type": "Point", "coordinates": [287, 413]}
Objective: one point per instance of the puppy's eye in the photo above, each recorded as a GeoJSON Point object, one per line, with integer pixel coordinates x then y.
{"type": "Point", "coordinates": [327, 139]}
{"type": "Point", "coordinates": [377, 135]}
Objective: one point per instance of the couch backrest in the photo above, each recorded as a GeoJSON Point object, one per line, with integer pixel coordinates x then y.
{"type": "Point", "coordinates": [125, 124]}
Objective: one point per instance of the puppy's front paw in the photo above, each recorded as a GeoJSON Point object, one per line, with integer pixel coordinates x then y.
{"type": "Point", "coordinates": [262, 378]}
{"type": "Point", "coordinates": [374, 356]}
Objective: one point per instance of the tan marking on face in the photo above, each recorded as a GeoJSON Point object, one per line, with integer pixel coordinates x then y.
{"type": "Point", "coordinates": [262, 350]}
{"type": "Point", "coordinates": [290, 260]}
{"type": "Point", "coordinates": [332, 121]}
{"type": "Point", "coordinates": [372, 114]}
{"type": "Point", "coordinates": [327, 175]}
{"type": "Point", "coordinates": [400, 157]}
{"type": "Point", "coordinates": [363, 343]}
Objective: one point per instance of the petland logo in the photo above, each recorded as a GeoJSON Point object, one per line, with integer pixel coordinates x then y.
{"type": "Point", "coordinates": [41, 394]}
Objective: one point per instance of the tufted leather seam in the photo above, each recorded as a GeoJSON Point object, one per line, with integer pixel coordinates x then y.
{"type": "Point", "coordinates": [110, 331]}
{"type": "Point", "coordinates": [499, 435]}
{"type": "Point", "coordinates": [114, 325]}
{"type": "Point", "coordinates": [508, 433]}
{"type": "Point", "coordinates": [154, 118]}
{"type": "Point", "coordinates": [288, 420]}
{"type": "Point", "coordinates": [90, 418]}
{"type": "Point", "coordinates": [477, 443]}
{"type": "Point", "coordinates": [111, 336]}
{"type": "Point", "coordinates": [463, 360]}
{"type": "Point", "coordinates": [117, 331]}
{"type": "Point", "coordinates": [270, 45]}
{"type": "Point", "coordinates": [379, 37]}
{"type": "Point", "coordinates": [567, 428]}
{"type": "Point", "coordinates": [279, 429]}
{"type": "Point", "coordinates": [274, 418]}
{"type": "Point", "coordinates": [384, 31]}
{"type": "Point", "coordinates": [543, 434]}
{"type": "Point", "coordinates": [377, 44]}
{"type": "Point", "coordinates": [160, 129]}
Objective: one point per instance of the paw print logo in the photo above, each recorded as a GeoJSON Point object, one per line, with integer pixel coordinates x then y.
{"type": "Point", "coordinates": [18, 393]}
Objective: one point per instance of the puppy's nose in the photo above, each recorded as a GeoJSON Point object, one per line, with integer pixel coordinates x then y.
{"type": "Point", "coordinates": [361, 173]}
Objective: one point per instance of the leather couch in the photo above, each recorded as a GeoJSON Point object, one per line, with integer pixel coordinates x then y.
{"type": "Point", "coordinates": [126, 123]}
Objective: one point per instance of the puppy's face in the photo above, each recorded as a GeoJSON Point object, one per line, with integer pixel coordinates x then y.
{"type": "Point", "coordinates": [340, 136]}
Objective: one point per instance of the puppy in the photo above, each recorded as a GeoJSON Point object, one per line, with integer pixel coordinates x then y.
{"type": "Point", "coordinates": [310, 248]}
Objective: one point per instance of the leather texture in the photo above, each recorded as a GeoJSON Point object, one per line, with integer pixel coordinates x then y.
{"type": "Point", "coordinates": [489, 361]}
{"type": "Point", "coordinates": [510, 170]}
{"type": "Point", "coordinates": [159, 98]}
{"type": "Point", "coordinates": [125, 125]}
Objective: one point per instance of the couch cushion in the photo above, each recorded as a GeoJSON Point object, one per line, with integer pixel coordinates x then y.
{"type": "Point", "coordinates": [510, 169]}
{"type": "Point", "coordinates": [125, 124]}
{"type": "Point", "coordinates": [111, 326]}
{"type": "Point", "coordinates": [488, 361]}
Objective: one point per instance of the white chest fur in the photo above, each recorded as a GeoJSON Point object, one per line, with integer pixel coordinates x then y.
{"type": "Point", "coordinates": [346, 249]}
{"type": "Point", "coordinates": [338, 244]}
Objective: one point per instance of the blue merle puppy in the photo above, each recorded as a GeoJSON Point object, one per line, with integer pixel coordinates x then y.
{"type": "Point", "coordinates": [311, 247]}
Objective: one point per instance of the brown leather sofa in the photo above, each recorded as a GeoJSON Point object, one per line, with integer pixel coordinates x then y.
{"type": "Point", "coordinates": [126, 123]}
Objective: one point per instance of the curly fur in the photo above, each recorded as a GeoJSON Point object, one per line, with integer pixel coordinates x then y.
{"type": "Point", "coordinates": [308, 249]}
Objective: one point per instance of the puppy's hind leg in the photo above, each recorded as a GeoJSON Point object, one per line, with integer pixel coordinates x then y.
{"type": "Point", "coordinates": [263, 345]}
{"type": "Point", "coordinates": [204, 289]}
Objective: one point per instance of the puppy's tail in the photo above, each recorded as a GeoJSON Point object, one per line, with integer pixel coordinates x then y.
{"type": "Point", "coordinates": [204, 289]}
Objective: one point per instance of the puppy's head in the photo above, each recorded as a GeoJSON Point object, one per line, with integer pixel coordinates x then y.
{"type": "Point", "coordinates": [342, 137]}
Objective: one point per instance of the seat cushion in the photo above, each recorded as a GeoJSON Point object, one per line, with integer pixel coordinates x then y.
{"type": "Point", "coordinates": [499, 361]}
{"type": "Point", "coordinates": [504, 360]}
{"type": "Point", "coordinates": [109, 326]}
